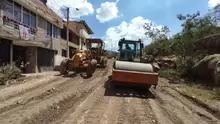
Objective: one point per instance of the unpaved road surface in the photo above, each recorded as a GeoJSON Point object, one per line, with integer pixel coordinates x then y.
{"type": "Point", "coordinates": [53, 99]}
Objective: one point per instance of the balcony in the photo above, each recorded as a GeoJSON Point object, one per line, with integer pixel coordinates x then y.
{"type": "Point", "coordinates": [10, 30]}
{"type": "Point", "coordinates": [15, 24]}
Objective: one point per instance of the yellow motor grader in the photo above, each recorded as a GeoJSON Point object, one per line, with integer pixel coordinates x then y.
{"type": "Point", "coordinates": [81, 61]}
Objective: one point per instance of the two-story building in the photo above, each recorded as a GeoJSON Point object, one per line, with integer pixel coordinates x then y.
{"type": "Point", "coordinates": [79, 31]}
{"type": "Point", "coordinates": [61, 46]}
{"type": "Point", "coordinates": [33, 33]}
{"type": "Point", "coordinates": [82, 29]}
{"type": "Point", "coordinates": [29, 31]}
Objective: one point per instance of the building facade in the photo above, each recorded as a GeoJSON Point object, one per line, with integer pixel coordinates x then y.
{"type": "Point", "coordinates": [82, 30]}
{"type": "Point", "coordinates": [79, 31]}
{"type": "Point", "coordinates": [33, 34]}
{"type": "Point", "coordinates": [29, 32]}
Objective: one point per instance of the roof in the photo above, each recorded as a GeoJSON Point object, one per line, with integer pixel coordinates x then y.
{"type": "Point", "coordinates": [86, 25]}
{"type": "Point", "coordinates": [94, 40]}
{"type": "Point", "coordinates": [46, 9]}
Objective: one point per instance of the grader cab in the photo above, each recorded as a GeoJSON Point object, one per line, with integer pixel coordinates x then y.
{"type": "Point", "coordinates": [97, 47]}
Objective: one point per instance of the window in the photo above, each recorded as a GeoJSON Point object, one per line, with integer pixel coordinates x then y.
{"type": "Point", "coordinates": [49, 29]}
{"type": "Point", "coordinates": [17, 12]}
{"type": "Point", "coordinates": [26, 17]}
{"type": "Point", "coordinates": [8, 8]}
{"type": "Point", "coordinates": [33, 20]}
{"type": "Point", "coordinates": [56, 32]}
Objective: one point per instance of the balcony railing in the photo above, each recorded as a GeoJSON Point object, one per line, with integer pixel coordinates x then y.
{"type": "Point", "coordinates": [41, 39]}
{"type": "Point", "coordinates": [15, 24]}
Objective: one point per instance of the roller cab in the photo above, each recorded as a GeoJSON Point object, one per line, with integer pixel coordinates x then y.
{"type": "Point", "coordinates": [130, 68]}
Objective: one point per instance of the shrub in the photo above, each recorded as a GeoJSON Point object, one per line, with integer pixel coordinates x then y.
{"type": "Point", "coordinates": [185, 65]}
{"type": "Point", "coordinates": [9, 72]}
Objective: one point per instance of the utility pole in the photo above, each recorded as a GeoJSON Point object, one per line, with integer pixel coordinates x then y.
{"type": "Point", "coordinates": [67, 32]}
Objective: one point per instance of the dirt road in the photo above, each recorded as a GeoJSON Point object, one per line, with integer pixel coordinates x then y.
{"type": "Point", "coordinates": [53, 99]}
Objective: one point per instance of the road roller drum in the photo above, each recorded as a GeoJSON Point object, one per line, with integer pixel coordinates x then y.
{"type": "Point", "coordinates": [133, 66]}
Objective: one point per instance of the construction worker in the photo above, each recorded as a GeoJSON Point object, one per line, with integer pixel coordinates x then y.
{"type": "Point", "coordinates": [127, 47]}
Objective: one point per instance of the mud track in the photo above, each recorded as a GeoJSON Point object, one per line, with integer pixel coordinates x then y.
{"type": "Point", "coordinates": [53, 99]}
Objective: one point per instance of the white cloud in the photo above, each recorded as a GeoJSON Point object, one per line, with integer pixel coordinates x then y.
{"type": "Point", "coordinates": [133, 30]}
{"type": "Point", "coordinates": [107, 11]}
{"type": "Point", "coordinates": [213, 3]}
{"type": "Point", "coordinates": [85, 8]}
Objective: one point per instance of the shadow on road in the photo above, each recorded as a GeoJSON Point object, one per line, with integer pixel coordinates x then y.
{"type": "Point", "coordinates": [112, 89]}
{"type": "Point", "coordinates": [74, 74]}
{"type": "Point", "coordinates": [70, 75]}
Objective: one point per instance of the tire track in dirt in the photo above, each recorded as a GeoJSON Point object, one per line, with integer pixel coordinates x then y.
{"type": "Point", "coordinates": [67, 105]}
{"type": "Point", "coordinates": [122, 112]}
{"type": "Point", "coordinates": [21, 80]}
{"type": "Point", "coordinates": [136, 109]}
{"type": "Point", "coordinates": [36, 105]}
{"type": "Point", "coordinates": [21, 89]}
{"type": "Point", "coordinates": [42, 92]}
{"type": "Point", "coordinates": [127, 113]}
{"type": "Point", "coordinates": [89, 102]}
{"type": "Point", "coordinates": [143, 111]}
{"type": "Point", "coordinates": [91, 109]}
{"type": "Point", "coordinates": [170, 109]}
{"type": "Point", "coordinates": [112, 110]}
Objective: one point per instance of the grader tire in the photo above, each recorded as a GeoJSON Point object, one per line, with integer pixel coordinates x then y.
{"type": "Point", "coordinates": [64, 67]}
{"type": "Point", "coordinates": [91, 67]}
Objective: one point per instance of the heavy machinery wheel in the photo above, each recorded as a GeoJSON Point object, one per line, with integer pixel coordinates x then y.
{"type": "Point", "coordinates": [91, 67]}
{"type": "Point", "coordinates": [64, 67]}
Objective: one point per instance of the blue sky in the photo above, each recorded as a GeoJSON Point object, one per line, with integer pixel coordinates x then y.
{"type": "Point", "coordinates": [114, 19]}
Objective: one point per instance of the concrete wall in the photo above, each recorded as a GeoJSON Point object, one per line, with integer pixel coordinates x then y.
{"type": "Point", "coordinates": [59, 44]}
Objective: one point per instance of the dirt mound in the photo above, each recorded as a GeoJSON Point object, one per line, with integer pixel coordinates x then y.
{"type": "Point", "coordinates": [205, 68]}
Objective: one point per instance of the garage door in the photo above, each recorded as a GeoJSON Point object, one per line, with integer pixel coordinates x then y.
{"type": "Point", "coordinates": [45, 59]}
